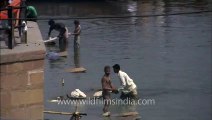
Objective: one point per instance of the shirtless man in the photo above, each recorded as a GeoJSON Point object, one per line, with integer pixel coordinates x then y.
{"type": "Point", "coordinates": [107, 87]}
{"type": "Point", "coordinates": [63, 33]}
{"type": "Point", "coordinates": [76, 33]}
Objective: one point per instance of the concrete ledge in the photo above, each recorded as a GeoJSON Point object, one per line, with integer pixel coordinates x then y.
{"type": "Point", "coordinates": [34, 49]}
{"type": "Point", "coordinates": [22, 77]}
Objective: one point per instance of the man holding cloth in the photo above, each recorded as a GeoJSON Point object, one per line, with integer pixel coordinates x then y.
{"type": "Point", "coordinates": [128, 87]}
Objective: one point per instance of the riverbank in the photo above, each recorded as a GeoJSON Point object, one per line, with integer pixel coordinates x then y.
{"type": "Point", "coordinates": [22, 77]}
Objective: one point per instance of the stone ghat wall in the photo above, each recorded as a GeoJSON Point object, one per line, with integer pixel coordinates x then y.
{"type": "Point", "coordinates": [22, 90]}
{"type": "Point", "coordinates": [22, 79]}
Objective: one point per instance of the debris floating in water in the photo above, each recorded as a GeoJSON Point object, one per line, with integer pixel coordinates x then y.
{"type": "Point", "coordinates": [76, 70]}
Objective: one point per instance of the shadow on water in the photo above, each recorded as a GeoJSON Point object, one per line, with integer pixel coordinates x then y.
{"type": "Point", "coordinates": [77, 56]}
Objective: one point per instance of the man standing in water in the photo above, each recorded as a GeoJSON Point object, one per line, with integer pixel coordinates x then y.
{"type": "Point", "coordinates": [107, 87]}
{"type": "Point", "coordinates": [128, 87]}
{"type": "Point", "coordinates": [76, 33]}
{"type": "Point", "coordinates": [63, 33]}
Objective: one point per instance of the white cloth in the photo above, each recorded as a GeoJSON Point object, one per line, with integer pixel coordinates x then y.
{"type": "Point", "coordinates": [25, 26]}
{"type": "Point", "coordinates": [126, 82]}
{"type": "Point", "coordinates": [77, 93]}
{"type": "Point", "coordinates": [98, 94]}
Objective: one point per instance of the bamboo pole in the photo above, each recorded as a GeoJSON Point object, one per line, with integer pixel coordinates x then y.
{"type": "Point", "coordinates": [56, 112]}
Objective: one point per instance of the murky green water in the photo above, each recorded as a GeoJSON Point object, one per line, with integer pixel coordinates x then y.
{"type": "Point", "coordinates": [169, 57]}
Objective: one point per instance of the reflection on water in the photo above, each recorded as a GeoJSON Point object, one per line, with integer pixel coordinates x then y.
{"type": "Point", "coordinates": [77, 56]}
{"type": "Point", "coordinates": [169, 57]}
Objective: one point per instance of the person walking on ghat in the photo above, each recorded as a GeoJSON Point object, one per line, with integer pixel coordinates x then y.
{"type": "Point", "coordinates": [128, 87]}
{"type": "Point", "coordinates": [76, 33]}
{"type": "Point", "coordinates": [107, 87]}
{"type": "Point", "coordinates": [63, 33]}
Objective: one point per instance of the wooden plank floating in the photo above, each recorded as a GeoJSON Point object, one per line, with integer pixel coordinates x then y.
{"type": "Point", "coordinates": [126, 114]}
{"type": "Point", "coordinates": [53, 101]}
{"type": "Point", "coordinates": [56, 112]}
{"type": "Point", "coordinates": [76, 70]}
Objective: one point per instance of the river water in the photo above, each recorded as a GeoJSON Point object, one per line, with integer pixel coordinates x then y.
{"type": "Point", "coordinates": [168, 57]}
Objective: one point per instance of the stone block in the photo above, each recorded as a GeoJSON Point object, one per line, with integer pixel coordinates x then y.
{"type": "Point", "coordinates": [28, 65]}
{"type": "Point", "coordinates": [5, 113]}
{"type": "Point", "coordinates": [36, 112]}
{"type": "Point", "coordinates": [31, 65]}
{"type": "Point", "coordinates": [3, 68]}
{"type": "Point", "coordinates": [14, 67]}
{"type": "Point", "coordinates": [36, 78]}
{"type": "Point", "coordinates": [34, 96]}
{"type": "Point", "coordinates": [14, 81]}
{"type": "Point", "coordinates": [38, 64]}
{"type": "Point", "coordinates": [18, 98]}
{"type": "Point", "coordinates": [21, 66]}
{"type": "Point", "coordinates": [26, 97]}
{"type": "Point", "coordinates": [32, 55]}
{"type": "Point", "coordinates": [19, 113]}
{"type": "Point", "coordinates": [32, 112]}
{"type": "Point", "coordinates": [5, 100]}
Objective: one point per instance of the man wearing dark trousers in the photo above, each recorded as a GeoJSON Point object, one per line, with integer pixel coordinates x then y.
{"type": "Point", "coordinates": [63, 33]}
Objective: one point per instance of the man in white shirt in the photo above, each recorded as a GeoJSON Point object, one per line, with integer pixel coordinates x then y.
{"type": "Point", "coordinates": [128, 87]}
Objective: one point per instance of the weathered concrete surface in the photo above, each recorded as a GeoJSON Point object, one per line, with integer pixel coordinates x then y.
{"type": "Point", "coordinates": [23, 52]}
{"type": "Point", "coordinates": [22, 77]}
